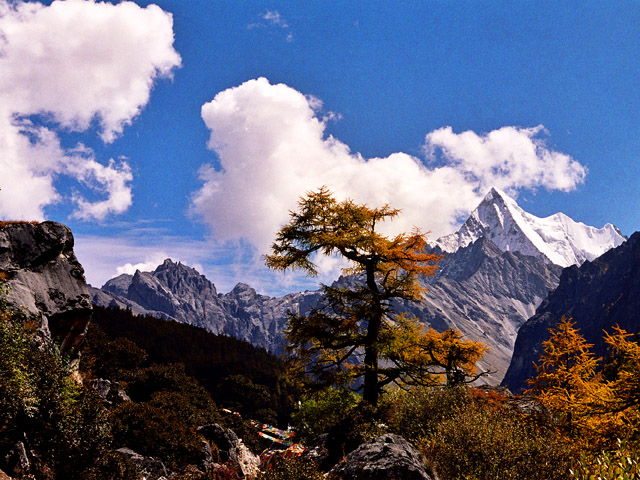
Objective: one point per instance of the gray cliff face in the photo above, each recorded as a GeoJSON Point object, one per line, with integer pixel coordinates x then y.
{"type": "Point", "coordinates": [177, 292]}
{"type": "Point", "coordinates": [487, 294]}
{"type": "Point", "coordinates": [45, 279]}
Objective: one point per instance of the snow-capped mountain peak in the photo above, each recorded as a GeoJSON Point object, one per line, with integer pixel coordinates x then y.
{"type": "Point", "coordinates": [557, 238]}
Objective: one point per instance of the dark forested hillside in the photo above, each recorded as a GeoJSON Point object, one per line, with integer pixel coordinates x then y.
{"type": "Point", "coordinates": [236, 374]}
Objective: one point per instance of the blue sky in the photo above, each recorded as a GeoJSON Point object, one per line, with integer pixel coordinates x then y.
{"type": "Point", "coordinates": [355, 94]}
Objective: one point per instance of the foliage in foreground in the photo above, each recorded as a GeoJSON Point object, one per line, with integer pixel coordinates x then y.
{"type": "Point", "coordinates": [471, 434]}
{"type": "Point", "coordinates": [45, 409]}
{"type": "Point", "coordinates": [320, 411]}
{"type": "Point", "coordinates": [292, 469]}
{"type": "Point", "coordinates": [236, 374]}
{"type": "Point", "coordinates": [620, 463]}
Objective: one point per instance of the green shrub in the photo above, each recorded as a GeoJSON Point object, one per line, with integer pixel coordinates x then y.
{"type": "Point", "coordinates": [359, 425]}
{"type": "Point", "coordinates": [42, 405]}
{"type": "Point", "coordinates": [156, 432]}
{"type": "Point", "coordinates": [623, 463]}
{"type": "Point", "coordinates": [416, 414]}
{"type": "Point", "coordinates": [161, 421]}
{"type": "Point", "coordinates": [318, 412]}
{"type": "Point", "coordinates": [469, 435]}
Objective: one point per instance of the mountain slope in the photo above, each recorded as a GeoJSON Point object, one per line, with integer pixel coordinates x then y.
{"type": "Point", "coordinates": [557, 238]}
{"type": "Point", "coordinates": [484, 292]}
{"type": "Point", "coordinates": [597, 295]}
{"type": "Point", "coordinates": [487, 294]}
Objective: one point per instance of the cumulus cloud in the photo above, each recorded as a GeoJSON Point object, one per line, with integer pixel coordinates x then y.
{"type": "Point", "coordinates": [272, 146]}
{"type": "Point", "coordinates": [74, 64]}
{"type": "Point", "coordinates": [510, 158]}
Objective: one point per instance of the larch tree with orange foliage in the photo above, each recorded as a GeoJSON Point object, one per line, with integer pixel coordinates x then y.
{"type": "Point", "coordinates": [566, 374]}
{"type": "Point", "coordinates": [431, 358]}
{"type": "Point", "coordinates": [354, 333]}
{"type": "Point", "coordinates": [595, 405]}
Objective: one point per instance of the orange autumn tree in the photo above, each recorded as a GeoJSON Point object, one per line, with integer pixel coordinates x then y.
{"type": "Point", "coordinates": [354, 333]}
{"type": "Point", "coordinates": [436, 358]}
{"type": "Point", "coordinates": [595, 405]}
{"type": "Point", "coordinates": [623, 371]}
{"type": "Point", "coordinates": [566, 375]}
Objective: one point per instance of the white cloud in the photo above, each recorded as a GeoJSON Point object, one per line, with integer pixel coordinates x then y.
{"type": "Point", "coordinates": [74, 63]}
{"type": "Point", "coordinates": [104, 257]}
{"type": "Point", "coordinates": [148, 266]}
{"type": "Point", "coordinates": [509, 158]}
{"type": "Point", "coordinates": [273, 147]}
{"type": "Point", "coordinates": [272, 19]}
{"type": "Point", "coordinates": [275, 19]}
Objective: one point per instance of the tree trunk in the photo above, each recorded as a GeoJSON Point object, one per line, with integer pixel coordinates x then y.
{"type": "Point", "coordinates": [371, 387]}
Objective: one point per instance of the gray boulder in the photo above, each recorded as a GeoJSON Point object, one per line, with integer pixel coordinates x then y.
{"type": "Point", "coordinates": [224, 439]}
{"type": "Point", "coordinates": [110, 392]}
{"type": "Point", "coordinates": [231, 450]}
{"type": "Point", "coordinates": [45, 280]}
{"type": "Point", "coordinates": [389, 457]}
{"type": "Point", "coordinates": [150, 468]}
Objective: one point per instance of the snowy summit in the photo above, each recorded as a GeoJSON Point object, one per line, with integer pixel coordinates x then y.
{"type": "Point", "coordinates": [556, 238]}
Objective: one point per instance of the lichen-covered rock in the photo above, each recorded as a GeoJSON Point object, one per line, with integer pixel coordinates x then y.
{"type": "Point", "coordinates": [150, 468]}
{"type": "Point", "coordinates": [389, 457]}
{"type": "Point", "coordinates": [109, 391]}
{"type": "Point", "coordinates": [231, 450]}
{"type": "Point", "coordinates": [44, 279]}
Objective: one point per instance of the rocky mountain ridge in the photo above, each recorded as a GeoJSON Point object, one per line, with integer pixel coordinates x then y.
{"type": "Point", "coordinates": [174, 291]}
{"type": "Point", "coordinates": [487, 294]}
{"type": "Point", "coordinates": [484, 292]}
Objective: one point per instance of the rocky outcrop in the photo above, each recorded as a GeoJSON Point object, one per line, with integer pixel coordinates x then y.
{"type": "Point", "coordinates": [597, 295]}
{"type": "Point", "coordinates": [389, 457]}
{"type": "Point", "coordinates": [110, 392]}
{"type": "Point", "coordinates": [45, 279]}
{"type": "Point", "coordinates": [18, 461]}
{"type": "Point", "coordinates": [230, 449]}
{"type": "Point", "coordinates": [150, 468]}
